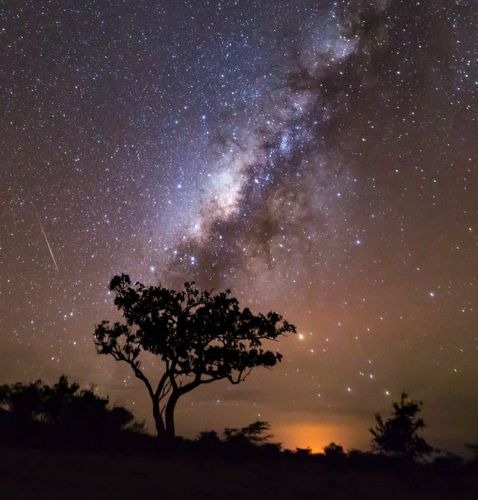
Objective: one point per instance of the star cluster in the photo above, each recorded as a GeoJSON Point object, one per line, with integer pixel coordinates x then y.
{"type": "Point", "coordinates": [317, 157]}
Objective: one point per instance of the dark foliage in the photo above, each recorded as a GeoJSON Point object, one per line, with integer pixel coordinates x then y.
{"type": "Point", "coordinates": [37, 413]}
{"type": "Point", "coordinates": [255, 433]}
{"type": "Point", "coordinates": [335, 454]}
{"type": "Point", "coordinates": [215, 461]}
{"type": "Point", "coordinates": [399, 434]}
{"type": "Point", "coordinates": [24, 401]}
{"type": "Point", "coordinates": [199, 337]}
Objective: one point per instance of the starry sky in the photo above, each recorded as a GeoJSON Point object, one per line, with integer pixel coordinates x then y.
{"type": "Point", "coordinates": [317, 157]}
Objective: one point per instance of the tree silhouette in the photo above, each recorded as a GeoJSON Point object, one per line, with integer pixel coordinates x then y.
{"type": "Point", "coordinates": [200, 337]}
{"type": "Point", "coordinates": [255, 433]}
{"type": "Point", "coordinates": [399, 434]}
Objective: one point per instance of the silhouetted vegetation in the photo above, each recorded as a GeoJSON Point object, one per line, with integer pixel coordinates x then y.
{"type": "Point", "coordinates": [60, 415]}
{"type": "Point", "coordinates": [200, 337]}
{"type": "Point", "coordinates": [334, 452]}
{"type": "Point", "coordinates": [399, 435]}
{"type": "Point", "coordinates": [240, 463]}
{"type": "Point", "coordinates": [256, 433]}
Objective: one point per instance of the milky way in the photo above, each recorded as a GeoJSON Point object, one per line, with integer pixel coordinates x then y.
{"type": "Point", "coordinates": [318, 158]}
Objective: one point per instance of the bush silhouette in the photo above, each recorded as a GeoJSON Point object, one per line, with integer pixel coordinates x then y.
{"type": "Point", "coordinates": [60, 412]}
{"type": "Point", "coordinates": [334, 451]}
{"type": "Point", "coordinates": [25, 401]}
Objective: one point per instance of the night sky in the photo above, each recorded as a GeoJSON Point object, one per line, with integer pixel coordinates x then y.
{"type": "Point", "coordinates": [318, 158]}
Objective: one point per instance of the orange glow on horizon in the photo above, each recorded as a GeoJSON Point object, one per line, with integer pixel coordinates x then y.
{"type": "Point", "coordinates": [317, 436]}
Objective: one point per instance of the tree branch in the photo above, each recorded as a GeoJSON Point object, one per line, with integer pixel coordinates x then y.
{"type": "Point", "coordinates": [241, 376]}
{"type": "Point", "coordinates": [119, 356]}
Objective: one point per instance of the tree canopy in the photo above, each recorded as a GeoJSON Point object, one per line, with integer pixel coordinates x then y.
{"type": "Point", "coordinates": [199, 337]}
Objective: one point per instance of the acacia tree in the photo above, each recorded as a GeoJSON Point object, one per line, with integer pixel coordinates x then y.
{"type": "Point", "coordinates": [399, 434]}
{"type": "Point", "coordinates": [198, 336]}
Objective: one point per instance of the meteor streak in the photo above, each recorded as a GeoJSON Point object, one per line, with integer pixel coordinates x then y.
{"type": "Point", "coordinates": [42, 229]}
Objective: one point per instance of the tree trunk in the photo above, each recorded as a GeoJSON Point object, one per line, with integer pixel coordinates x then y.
{"type": "Point", "coordinates": [169, 415]}
{"type": "Point", "coordinates": [158, 419]}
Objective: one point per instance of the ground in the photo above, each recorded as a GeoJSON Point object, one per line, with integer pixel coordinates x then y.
{"type": "Point", "coordinates": [38, 474]}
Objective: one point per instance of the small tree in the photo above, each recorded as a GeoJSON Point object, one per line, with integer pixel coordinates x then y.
{"type": "Point", "coordinates": [199, 337]}
{"type": "Point", "coordinates": [399, 434]}
{"type": "Point", "coordinates": [256, 433]}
